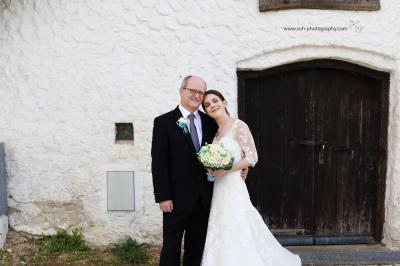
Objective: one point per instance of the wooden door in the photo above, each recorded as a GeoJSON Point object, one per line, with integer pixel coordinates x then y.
{"type": "Point", "coordinates": [321, 130]}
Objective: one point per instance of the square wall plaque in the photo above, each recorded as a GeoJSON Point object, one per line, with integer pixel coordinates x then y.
{"type": "Point", "coordinates": [356, 5]}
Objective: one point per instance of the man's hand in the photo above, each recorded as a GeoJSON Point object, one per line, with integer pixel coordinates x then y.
{"type": "Point", "coordinates": [166, 206]}
{"type": "Point", "coordinates": [244, 172]}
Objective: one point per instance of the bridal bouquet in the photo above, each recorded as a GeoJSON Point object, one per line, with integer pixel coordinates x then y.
{"type": "Point", "coordinates": [215, 156]}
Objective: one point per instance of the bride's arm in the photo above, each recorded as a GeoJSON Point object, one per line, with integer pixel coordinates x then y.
{"type": "Point", "coordinates": [243, 135]}
{"type": "Point", "coordinates": [236, 167]}
{"type": "Point", "coordinates": [246, 141]}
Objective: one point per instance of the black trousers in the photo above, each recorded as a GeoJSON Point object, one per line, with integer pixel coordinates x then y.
{"type": "Point", "coordinates": [194, 224]}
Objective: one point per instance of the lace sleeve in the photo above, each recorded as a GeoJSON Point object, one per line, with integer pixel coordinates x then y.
{"type": "Point", "coordinates": [243, 135]}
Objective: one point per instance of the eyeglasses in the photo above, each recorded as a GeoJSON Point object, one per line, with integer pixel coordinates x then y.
{"type": "Point", "coordinates": [195, 92]}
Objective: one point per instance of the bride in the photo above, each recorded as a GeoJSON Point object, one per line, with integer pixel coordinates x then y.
{"type": "Point", "coordinates": [237, 234]}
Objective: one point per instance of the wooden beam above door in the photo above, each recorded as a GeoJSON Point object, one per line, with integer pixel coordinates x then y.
{"type": "Point", "coordinates": [354, 5]}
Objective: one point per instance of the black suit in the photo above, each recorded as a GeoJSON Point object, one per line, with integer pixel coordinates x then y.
{"type": "Point", "coordinates": [178, 176]}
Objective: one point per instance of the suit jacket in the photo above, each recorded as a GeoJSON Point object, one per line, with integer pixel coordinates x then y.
{"type": "Point", "coordinates": [177, 173]}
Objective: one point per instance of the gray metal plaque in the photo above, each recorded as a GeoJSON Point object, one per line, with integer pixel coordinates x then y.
{"type": "Point", "coordinates": [3, 184]}
{"type": "Point", "coordinates": [120, 191]}
{"type": "Point", "coordinates": [359, 5]}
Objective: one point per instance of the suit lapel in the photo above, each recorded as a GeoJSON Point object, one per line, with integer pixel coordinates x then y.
{"type": "Point", "coordinates": [186, 136]}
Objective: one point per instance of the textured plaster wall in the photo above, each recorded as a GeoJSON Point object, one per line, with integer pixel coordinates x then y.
{"type": "Point", "coordinates": [70, 69]}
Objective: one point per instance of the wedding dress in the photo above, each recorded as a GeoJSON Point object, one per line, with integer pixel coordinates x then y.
{"type": "Point", "coordinates": [237, 234]}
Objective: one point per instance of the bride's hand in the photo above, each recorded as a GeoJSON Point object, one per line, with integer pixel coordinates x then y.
{"type": "Point", "coordinates": [217, 173]}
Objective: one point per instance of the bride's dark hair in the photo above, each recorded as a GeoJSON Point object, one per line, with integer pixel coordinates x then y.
{"type": "Point", "coordinates": [216, 93]}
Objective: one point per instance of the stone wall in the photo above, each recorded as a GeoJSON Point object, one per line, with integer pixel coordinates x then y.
{"type": "Point", "coordinates": [69, 70]}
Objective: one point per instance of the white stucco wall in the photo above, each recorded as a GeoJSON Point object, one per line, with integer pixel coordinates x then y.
{"type": "Point", "coordinates": [69, 70]}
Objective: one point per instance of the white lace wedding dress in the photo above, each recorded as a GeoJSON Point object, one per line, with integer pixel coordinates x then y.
{"type": "Point", "coordinates": [237, 234]}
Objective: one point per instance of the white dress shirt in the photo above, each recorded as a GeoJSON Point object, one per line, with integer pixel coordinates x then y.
{"type": "Point", "coordinates": [197, 121]}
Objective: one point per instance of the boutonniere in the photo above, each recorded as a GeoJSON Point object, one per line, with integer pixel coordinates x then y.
{"type": "Point", "coordinates": [182, 123]}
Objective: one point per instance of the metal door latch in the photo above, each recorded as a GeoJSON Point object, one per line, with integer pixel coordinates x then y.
{"type": "Point", "coordinates": [321, 155]}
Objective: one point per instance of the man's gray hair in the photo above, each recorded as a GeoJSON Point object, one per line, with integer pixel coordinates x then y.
{"type": "Point", "coordinates": [186, 80]}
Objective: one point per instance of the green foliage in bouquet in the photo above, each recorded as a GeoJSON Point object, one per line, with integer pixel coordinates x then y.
{"type": "Point", "coordinates": [215, 156]}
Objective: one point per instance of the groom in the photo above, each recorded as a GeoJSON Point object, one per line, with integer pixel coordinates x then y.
{"type": "Point", "coordinates": [180, 183]}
